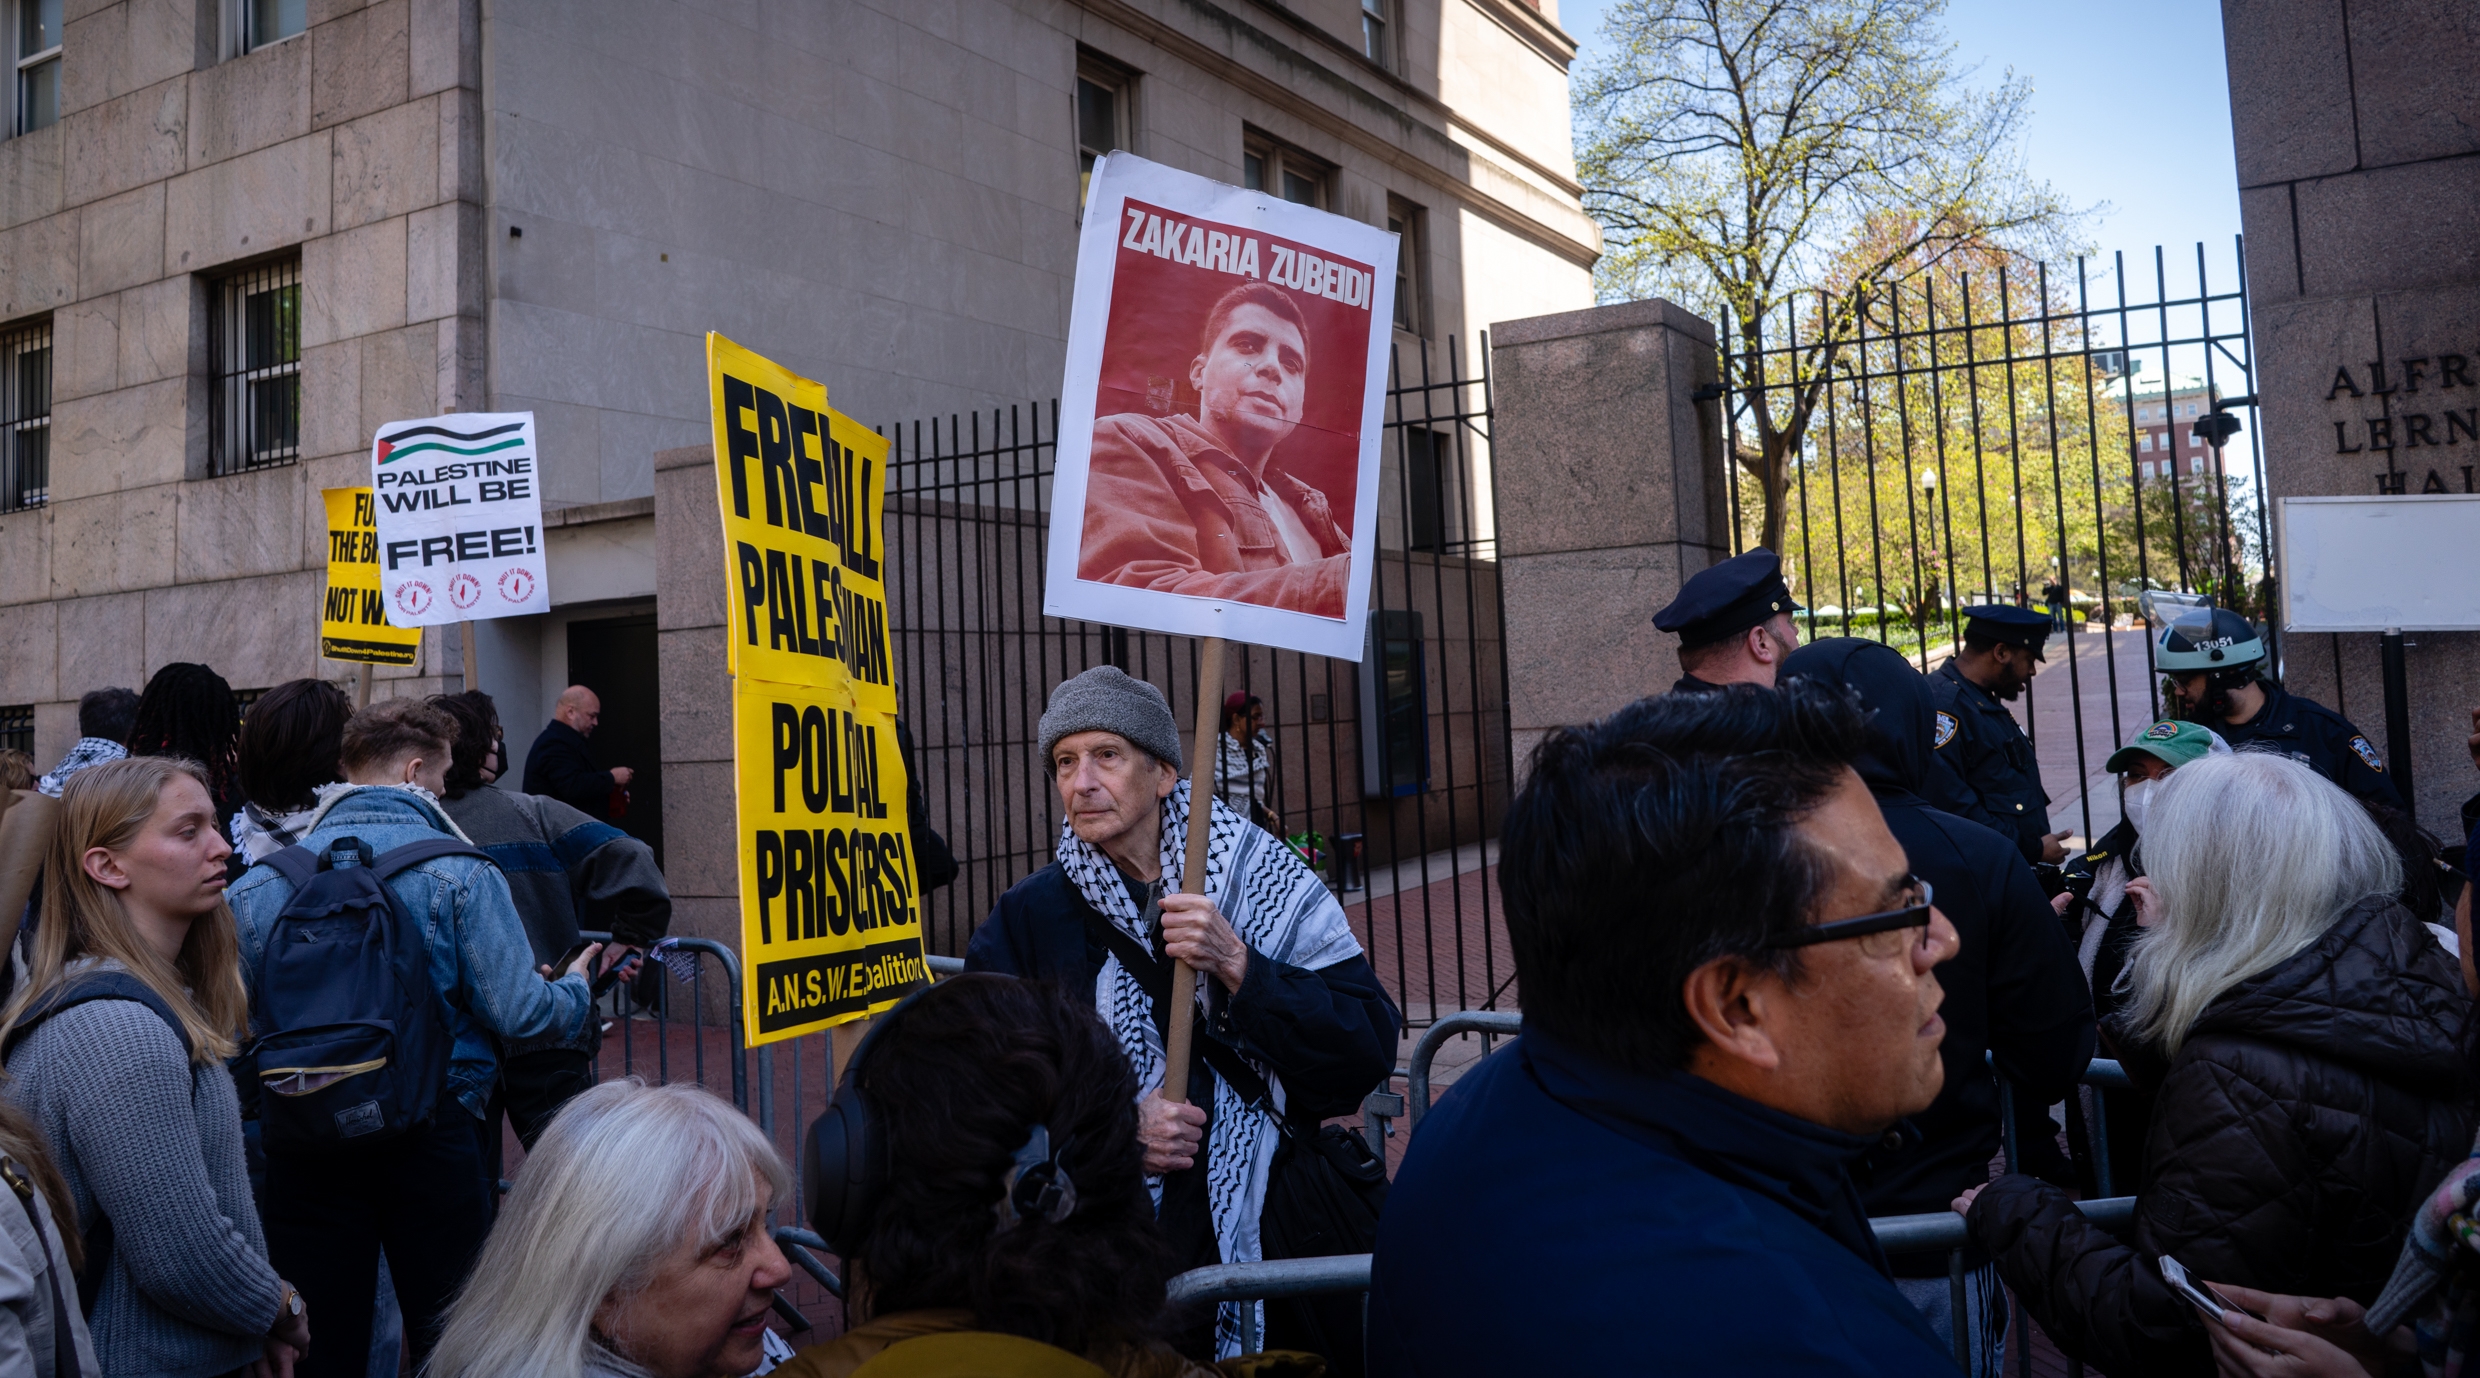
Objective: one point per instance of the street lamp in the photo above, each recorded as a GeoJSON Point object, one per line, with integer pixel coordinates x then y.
{"type": "Point", "coordinates": [1940, 554]}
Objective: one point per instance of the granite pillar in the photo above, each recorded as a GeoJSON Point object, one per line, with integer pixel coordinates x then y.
{"type": "Point", "coordinates": [1610, 494]}
{"type": "Point", "coordinates": [2359, 175]}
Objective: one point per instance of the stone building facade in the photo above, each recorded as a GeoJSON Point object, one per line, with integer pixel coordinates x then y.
{"type": "Point", "coordinates": [2359, 174]}
{"type": "Point", "coordinates": [227, 256]}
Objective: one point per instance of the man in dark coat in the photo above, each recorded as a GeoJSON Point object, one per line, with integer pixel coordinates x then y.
{"type": "Point", "coordinates": [1728, 998]}
{"type": "Point", "coordinates": [2013, 988]}
{"type": "Point", "coordinates": [560, 767]}
{"type": "Point", "coordinates": [1289, 1003]}
{"type": "Point", "coordinates": [1734, 623]}
{"type": "Point", "coordinates": [1985, 767]}
{"type": "Point", "coordinates": [2213, 667]}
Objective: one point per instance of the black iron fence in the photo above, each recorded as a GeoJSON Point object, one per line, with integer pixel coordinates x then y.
{"type": "Point", "coordinates": [1991, 430]}
{"type": "Point", "coordinates": [1389, 776]}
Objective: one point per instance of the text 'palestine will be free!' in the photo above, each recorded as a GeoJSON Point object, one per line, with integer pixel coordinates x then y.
{"type": "Point", "coordinates": [460, 518]}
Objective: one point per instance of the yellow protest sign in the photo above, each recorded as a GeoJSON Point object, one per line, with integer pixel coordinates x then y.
{"type": "Point", "coordinates": [803, 493]}
{"type": "Point", "coordinates": [830, 912]}
{"type": "Point", "coordinates": [353, 621]}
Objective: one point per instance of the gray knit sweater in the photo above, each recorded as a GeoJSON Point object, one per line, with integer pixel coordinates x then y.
{"type": "Point", "coordinates": [154, 1143]}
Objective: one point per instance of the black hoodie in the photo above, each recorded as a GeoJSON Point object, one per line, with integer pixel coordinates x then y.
{"type": "Point", "coordinates": [2012, 988]}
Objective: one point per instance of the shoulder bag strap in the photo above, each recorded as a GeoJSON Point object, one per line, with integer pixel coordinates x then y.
{"type": "Point", "coordinates": [64, 1344]}
{"type": "Point", "coordinates": [1155, 975]}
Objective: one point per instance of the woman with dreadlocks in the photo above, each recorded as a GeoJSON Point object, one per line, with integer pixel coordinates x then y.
{"type": "Point", "coordinates": [188, 711]}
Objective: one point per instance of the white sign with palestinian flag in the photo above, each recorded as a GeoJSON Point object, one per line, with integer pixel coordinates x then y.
{"type": "Point", "coordinates": [460, 518]}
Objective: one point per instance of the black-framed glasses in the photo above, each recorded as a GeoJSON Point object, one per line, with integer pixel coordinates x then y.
{"type": "Point", "coordinates": [1915, 915]}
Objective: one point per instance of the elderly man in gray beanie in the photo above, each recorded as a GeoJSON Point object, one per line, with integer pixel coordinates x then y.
{"type": "Point", "coordinates": [1293, 1027]}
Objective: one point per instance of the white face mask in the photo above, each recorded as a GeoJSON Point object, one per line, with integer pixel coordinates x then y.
{"type": "Point", "coordinates": [2138, 801]}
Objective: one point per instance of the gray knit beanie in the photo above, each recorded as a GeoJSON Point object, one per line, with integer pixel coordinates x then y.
{"type": "Point", "coordinates": [1105, 699]}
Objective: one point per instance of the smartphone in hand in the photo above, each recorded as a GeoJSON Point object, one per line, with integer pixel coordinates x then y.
{"type": "Point", "coordinates": [2198, 1295]}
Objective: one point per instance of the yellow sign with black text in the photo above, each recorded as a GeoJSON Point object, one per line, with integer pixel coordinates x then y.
{"type": "Point", "coordinates": [803, 490]}
{"type": "Point", "coordinates": [353, 621]}
{"type": "Point", "coordinates": [830, 911]}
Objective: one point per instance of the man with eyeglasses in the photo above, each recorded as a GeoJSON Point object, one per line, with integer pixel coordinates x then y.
{"type": "Point", "coordinates": [2014, 993]}
{"type": "Point", "coordinates": [1726, 968]}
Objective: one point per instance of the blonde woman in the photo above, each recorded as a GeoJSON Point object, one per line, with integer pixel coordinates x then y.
{"type": "Point", "coordinates": [634, 1246]}
{"type": "Point", "coordinates": [2303, 1032]}
{"type": "Point", "coordinates": [116, 1047]}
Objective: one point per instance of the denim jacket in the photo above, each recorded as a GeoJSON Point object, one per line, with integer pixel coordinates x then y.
{"type": "Point", "coordinates": [481, 963]}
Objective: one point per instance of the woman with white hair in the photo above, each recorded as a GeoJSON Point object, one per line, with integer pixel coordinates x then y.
{"type": "Point", "coordinates": [634, 1244]}
{"type": "Point", "coordinates": [2303, 1031]}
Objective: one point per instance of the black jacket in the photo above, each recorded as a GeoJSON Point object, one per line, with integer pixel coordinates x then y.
{"type": "Point", "coordinates": [2298, 1127]}
{"type": "Point", "coordinates": [1329, 1034]}
{"type": "Point", "coordinates": [2306, 730]}
{"type": "Point", "coordinates": [1989, 774]}
{"type": "Point", "coordinates": [560, 766]}
{"type": "Point", "coordinates": [2012, 988]}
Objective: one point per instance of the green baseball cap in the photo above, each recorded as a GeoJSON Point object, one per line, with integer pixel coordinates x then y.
{"type": "Point", "coordinates": [2174, 743]}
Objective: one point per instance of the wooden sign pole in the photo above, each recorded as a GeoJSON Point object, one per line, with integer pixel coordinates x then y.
{"type": "Point", "coordinates": [473, 672]}
{"type": "Point", "coordinates": [361, 687]}
{"type": "Point", "coordinates": [1193, 873]}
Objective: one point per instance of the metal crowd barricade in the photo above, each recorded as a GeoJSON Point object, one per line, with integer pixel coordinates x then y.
{"type": "Point", "coordinates": [1937, 1231]}
{"type": "Point", "coordinates": [683, 963]}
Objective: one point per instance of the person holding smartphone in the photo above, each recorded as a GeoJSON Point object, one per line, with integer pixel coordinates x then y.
{"type": "Point", "coordinates": [2303, 1031]}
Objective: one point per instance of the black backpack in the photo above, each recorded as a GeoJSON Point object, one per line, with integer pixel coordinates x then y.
{"type": "Point", "coordinates": [349, 1046]}
{"type": "Point", "coordinates": [77, 990]}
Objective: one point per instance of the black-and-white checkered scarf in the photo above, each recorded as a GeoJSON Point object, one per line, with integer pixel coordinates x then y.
{"type": "Point", "coordinates": [1281, 910]}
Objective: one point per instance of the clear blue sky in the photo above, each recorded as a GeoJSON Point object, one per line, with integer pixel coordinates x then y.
{"type": "Point", "coordinates": [2130, 106]}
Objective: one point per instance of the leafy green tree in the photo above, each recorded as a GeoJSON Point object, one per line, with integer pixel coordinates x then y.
{"type": "Point", "coordinates": [1744, 155]}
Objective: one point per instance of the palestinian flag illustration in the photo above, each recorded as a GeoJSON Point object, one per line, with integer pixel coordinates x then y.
{"type": "Point", "coordinates": [414, 440]}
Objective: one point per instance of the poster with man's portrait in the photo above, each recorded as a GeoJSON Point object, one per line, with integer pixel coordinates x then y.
{"type": "Point", "coordinates": [1221, 417]}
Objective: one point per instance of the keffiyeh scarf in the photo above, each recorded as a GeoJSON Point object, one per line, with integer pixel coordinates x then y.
{"type": "Point", "coordinates": [1284, 913]}
{"type": "Point", "coordinates": [89, 751]}
{"type": "Point", "coordinates": [2436, 1284]}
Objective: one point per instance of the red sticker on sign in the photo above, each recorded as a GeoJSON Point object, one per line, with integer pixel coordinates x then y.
{"type": "Point", "coordinates": [516, 584]}
{"type": "Point", "coordinates": [464, 590]}
{"type": "Point", "coordinates": [413, 597]}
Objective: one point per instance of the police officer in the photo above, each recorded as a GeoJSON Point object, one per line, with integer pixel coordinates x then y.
{"type": "Point", "coordinates": [1734, 623]}
{"type": "Point", "coordinates": [1990, 775]}
{"type": "Point", "coordinates": [2214, 665]}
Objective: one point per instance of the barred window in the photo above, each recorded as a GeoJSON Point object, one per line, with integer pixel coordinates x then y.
{"type": "Point", "coordinates": [25, 416]}
{"type": "Point", "coordinates": [261, 22]}
{"type": "Point", "coordinates": [17, 727]}
{"type": "Point", "coordinates": [254, 347]}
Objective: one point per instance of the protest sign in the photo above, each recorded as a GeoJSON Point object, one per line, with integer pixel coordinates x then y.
{"type": "Point", "coordinates": [460, 518]}
{"type": "Point", "coordinates": [831, 915]}
{"type": "Point", "coordinates": [803, 493]}
{"type": "Point", "coordinates": [353, 622]}
{"type": "Point", "coordinates": [1221, 416]}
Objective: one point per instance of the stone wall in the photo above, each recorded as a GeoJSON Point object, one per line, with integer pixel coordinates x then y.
{"type": "Point", "coordinates": [356, 146]}
{"type": "Point", "coordinates": [1610, 495]}
{"type": "Point", "coordinates": [2358, 146]}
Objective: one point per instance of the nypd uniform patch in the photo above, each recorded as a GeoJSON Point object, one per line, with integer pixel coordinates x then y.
{"type": "Point", "coordinates": [1945, 728]}
{"type": "Point", "coordinates": [2367, 753]}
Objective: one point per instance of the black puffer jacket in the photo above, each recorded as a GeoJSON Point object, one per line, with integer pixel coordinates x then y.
{"type": "Point", "coordinates": [2296, 1130]}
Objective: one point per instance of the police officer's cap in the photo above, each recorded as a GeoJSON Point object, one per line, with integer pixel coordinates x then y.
{"type": "Point", "coordinates": [1727, 599]}
{"type": "Point", "coordinates": [2008, 626]}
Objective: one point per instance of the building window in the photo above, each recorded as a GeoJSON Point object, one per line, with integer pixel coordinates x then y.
{"type": "Point", "coordinates": [1373, 33]}
{"type": "Point", "coordinates": [35, 44]}
{"type": "Point", "coordinates": [25, 416]}
{"type": "Point", "coordinates": [17, 727]}
{"type": "Point", "coordinates": [1410, 225]}
{"type": "Point", "coordinates": [257, 23]}
{"type": "Point", "coordinates": [254, 344]}
{"type": "Point", "coordinates": [1101, 118]}
{"type": "Point", "coordinates": [1287, 172]}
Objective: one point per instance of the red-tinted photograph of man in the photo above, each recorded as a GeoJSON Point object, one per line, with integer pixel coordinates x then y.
{"type": "Point", "coordinates": [1205, 504]}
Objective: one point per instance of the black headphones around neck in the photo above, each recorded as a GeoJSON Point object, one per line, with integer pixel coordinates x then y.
{"type": "Point", "coordinates": [844, 1162]}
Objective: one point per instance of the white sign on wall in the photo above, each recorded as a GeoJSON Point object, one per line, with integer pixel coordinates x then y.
{"type": "Point", "coordinates": [460, 518]}
{"type": "Point", "coordinates": [2374, 564]}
